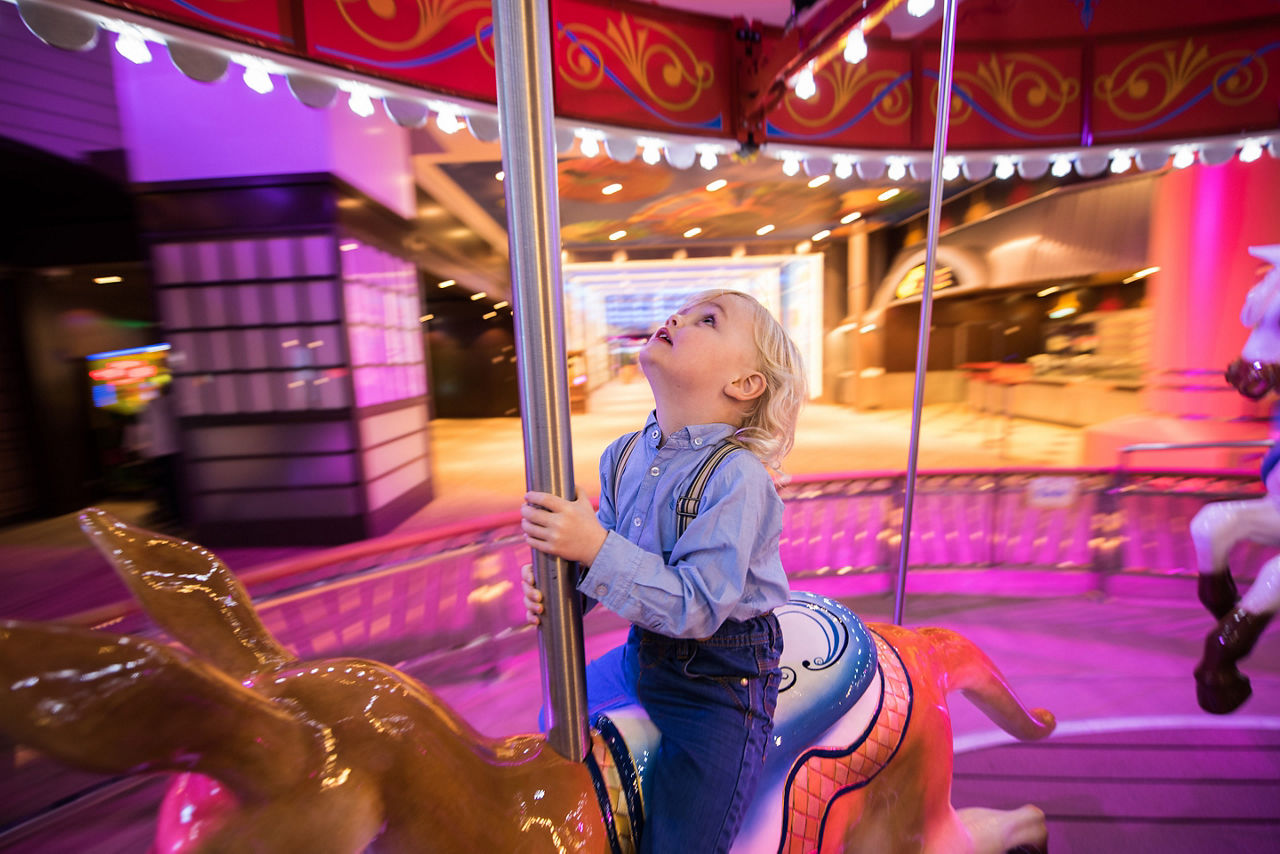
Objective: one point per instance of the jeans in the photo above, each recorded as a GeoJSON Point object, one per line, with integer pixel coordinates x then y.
{"type": "Point", "coordinates": [713, 701]}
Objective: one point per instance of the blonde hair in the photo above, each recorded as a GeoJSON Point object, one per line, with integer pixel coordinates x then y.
{"type": "Point", "coordinates": [769, 426]}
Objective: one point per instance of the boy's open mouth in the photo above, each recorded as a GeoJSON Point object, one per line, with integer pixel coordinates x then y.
{"type": "Point", "coordinates": [663, 335]}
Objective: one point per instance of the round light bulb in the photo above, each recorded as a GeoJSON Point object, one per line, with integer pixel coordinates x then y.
{"type": "Point", "coordinates": [257, 79]}
{"type": "Point", "coordinates": [855, 46]}
{"type": "Point", "coordinates": [133, 47]}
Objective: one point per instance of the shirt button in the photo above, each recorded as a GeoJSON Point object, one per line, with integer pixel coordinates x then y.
{"type": "Point", "coordinates": [601, 589]}
{"type": "Point", "coordinates": [636, 521]}
{"type": "Point", "coordinates": [697, 441]}
{"type": "Point", "coordinates": [744, 679]}
{"type": "Point", "coordinates": [654, 471]}
{"type": "Point", "coordinates": [654, 434]}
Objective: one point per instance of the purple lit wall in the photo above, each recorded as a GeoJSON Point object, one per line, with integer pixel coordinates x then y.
{"type": "Point", "coordinates": [57, 100]}
{"type": "Point", "coordinates": [176, 129]}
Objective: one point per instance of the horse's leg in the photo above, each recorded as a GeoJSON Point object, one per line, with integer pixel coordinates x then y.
{"type": "Point", "coordinates": [1220, 686]}
{"type": "Point", "coordinates": [1215, 530]}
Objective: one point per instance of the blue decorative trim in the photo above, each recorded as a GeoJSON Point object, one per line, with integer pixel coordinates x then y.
{"type": "Point", "coordinates": [230, 23]}
{"type": "Point", "coordinates": [1204, 93]}
{"type": "Point", "coordinates": [711, 124]}
{"type": "Point", "coordinates": [1086, 11]}
{"type": "Point", "coordinates": [430, 59]}
{"type": "Point", "coordinates": [626, 774]}
{"type": "Point", "coordinates": [774, 131]}
{"type": "Point", "coordinates": [964, 95]}
{"type": "Point", "coordinates": [606, 808]}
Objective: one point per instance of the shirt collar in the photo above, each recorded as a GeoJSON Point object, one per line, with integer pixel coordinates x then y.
{"type": "Point", "coordinates": [693, 436]}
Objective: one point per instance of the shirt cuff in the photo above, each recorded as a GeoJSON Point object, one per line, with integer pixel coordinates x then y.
{"type": "Point", "coordinates": [613, 572]}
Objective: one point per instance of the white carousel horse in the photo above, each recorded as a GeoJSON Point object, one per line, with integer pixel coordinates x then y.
{"type": "Point", "coordinates": [281, 755]}
{"type": "Point", "coordinates": [1220, 686]}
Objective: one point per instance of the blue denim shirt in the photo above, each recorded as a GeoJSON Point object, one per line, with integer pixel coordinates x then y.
{"type": "Point", "coordinates": [726, 566]}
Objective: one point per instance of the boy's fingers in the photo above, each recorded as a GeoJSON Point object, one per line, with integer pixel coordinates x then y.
{"type": "Point", "coordinates": [545, 501]}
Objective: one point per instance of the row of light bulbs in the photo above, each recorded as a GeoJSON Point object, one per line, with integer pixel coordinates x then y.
{"type": "Point", "coordinates": [855, 50]}
{"type": "Point", "coordinates": [132, 42]}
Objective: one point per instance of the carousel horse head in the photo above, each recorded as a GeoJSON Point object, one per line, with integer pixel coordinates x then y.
{"type": "Point", "coordinates": [1257, 371]}
{"type": "Point", "coordinates": [275, 754]}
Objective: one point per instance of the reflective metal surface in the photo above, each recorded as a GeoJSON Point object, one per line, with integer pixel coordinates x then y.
{"type": "Point", "coordinates": [522, 37]}
{"type": "Point", "coordinates": [926, 298]}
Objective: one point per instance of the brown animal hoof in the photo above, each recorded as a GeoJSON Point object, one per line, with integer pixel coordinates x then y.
{"type": "Point", "coordinates": [1218, 594]}
{"type": "Point", "coordinates": [1220, 687]}
{"type": "Point", "coordinates": [1222, 692]}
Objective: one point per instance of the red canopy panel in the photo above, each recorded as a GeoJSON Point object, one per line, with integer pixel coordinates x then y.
{"type": "Point", "coordinates": [1028, 73]}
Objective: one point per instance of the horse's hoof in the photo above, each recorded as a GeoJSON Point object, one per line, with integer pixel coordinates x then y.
{"type": "Point", "coordinates": [1218, 593]}
{"type": "Point", "coordinates": [1221, 693]}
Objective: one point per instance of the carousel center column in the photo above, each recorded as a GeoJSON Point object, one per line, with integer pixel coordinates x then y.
{"type": "Point", "coordinates": [1203, 220]}
{"type": "Point", "coordinates": [276, 232]}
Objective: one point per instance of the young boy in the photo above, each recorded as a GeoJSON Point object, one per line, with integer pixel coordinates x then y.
{"type": "Point", "coordinates": [702, 655]}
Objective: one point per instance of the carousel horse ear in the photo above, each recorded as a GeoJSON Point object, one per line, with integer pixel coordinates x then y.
{"type": "Point", "coordinates": [189, 592]}
{"type": "Point", "coordinates": [1269, 253]}
{"type": "Point", "coordinates": [117, 704]}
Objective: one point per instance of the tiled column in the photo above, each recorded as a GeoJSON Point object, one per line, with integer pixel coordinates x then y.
{"type": "Point", "coordinates": [298, 365]}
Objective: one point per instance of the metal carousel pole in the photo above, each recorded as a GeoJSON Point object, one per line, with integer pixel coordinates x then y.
{"type": "Point", "coordinates": [926, 298]}
{"type": "Point", "coordinates": [526, 122]}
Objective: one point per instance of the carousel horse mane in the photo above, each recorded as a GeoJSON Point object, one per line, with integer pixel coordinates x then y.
{"type": "Point", "coordinates": [281, 755]}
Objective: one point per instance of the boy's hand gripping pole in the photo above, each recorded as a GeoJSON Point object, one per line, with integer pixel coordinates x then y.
{"type": "Point", "coordinates": [522, 50]}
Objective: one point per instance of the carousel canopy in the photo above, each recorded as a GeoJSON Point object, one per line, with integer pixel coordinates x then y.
{"type": "Point", "coordinates": [828, 85]}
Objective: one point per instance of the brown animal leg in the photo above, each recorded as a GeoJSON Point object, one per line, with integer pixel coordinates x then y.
{"type": "Point", "coordinates": [1220, 687]}
{"type": "Point", "coordinates": [1218, 594]}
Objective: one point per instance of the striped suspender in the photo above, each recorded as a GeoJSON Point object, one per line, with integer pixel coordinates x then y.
{"type": "Point", "coordinates": [687, 504]}
{"type": "Point", "coordinates": [621, 465]}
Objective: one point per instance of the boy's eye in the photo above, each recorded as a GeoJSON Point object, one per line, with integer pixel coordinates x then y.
{"type": "Point", "coordinates": [709, 318]}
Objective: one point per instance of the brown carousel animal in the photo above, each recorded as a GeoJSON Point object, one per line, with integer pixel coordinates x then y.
{"type": "Point", "coordinates": [277, 754]}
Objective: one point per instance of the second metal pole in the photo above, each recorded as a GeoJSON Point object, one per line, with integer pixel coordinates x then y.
{"type": "Point", "coordinates": [926, 298]}
{"type": "Point", "coordinates": [526, 123]}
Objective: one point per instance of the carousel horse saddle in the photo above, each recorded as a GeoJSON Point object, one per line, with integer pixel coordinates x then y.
{"type": "Point", "coordinates": [828, 694]}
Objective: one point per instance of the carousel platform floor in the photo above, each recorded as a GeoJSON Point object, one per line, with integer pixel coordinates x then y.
{"type": "Point", "coordinates": [1135, 766]}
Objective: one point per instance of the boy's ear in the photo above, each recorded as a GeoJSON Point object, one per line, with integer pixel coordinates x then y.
{"type": "Point", "coordinates": [746, 387]}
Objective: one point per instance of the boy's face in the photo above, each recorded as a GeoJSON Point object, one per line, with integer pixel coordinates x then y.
{"type": "Point", "coordinates": [703, 347]}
